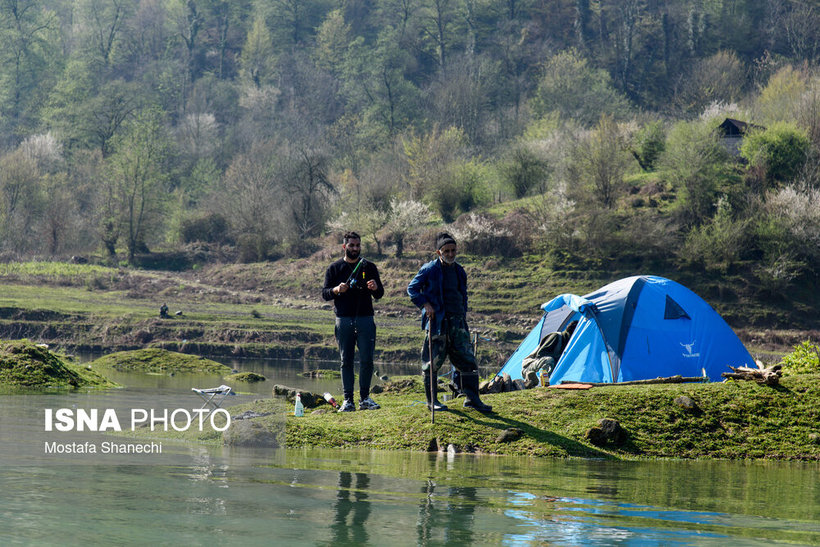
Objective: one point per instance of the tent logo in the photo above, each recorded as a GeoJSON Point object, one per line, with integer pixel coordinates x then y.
{"type": "Point", "coordinates": [689, 349]}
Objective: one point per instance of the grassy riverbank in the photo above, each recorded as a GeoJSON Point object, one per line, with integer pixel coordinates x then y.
{"type": "Point", "coordinates": [733, 420]}
{"type": "Point", "coordinates": [730, 420]}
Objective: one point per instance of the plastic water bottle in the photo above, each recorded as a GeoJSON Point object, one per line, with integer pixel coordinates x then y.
{"type": "Point", "coordinates": [299, 408]}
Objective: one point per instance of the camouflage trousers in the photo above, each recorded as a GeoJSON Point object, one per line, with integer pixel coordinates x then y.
{"type": "Point", "coordinates": [453, 342]}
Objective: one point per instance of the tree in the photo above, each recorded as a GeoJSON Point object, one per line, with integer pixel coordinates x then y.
{"type": "Point", "coordinates": [800, 26]}
{"type": "Point", "coordinates": [430, 159]}
{"type": "Point", "coordinates": [332, 39]}
{"type": "Point", "coordinates": [137, 177]}
{"type": "Point", "coordinates": [405, 217]}
{"type": "Point", "coordinates": [697, 166]}
{"type": "Point", "coordinates": [374, 83]}
{"type": "Point", "coordinates": [28, 63]}
{"type": "Point", "coordinates": [648, 145]}
{"type": "Point", "coordinates": [524, 170]}
{"type": "Point", "coordinates": [782, 95]}
{"type": "Point", "coordinates": [304, 180]}
{"type": "Point", "coordinates": [60, 221]}
{"type": "Point", "coordinates": [576, 90]}
{"type": "Point", "coordinates": [600, 162]}
{"type": "Point", "coordinates": [103, 21]}
{"type": "Point", "coordinates": [463, 92]}
{"type": "Point", "coordinates": [249, 200]}
{"type": "Point", "coordinates": [20, 199]}
{"type": "Point", "coordinates": [719, 78]}
{"type": "Point", "coordinates": [258, 60]}
{"type": "Point", "coordinates": [293, 21]}
{"type": "Point", "coordinates": [438, 18]}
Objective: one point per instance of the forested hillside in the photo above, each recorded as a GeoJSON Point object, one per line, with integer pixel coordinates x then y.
{"type": "Point", "coordinates": [587, 132]}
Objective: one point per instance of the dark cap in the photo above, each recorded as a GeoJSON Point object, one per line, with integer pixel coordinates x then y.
{"type": "Point", "coordinates": [442, 239]}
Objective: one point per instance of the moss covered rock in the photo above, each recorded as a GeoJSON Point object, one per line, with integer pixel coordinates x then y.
{"type": "Point", "coordinates": [24, 364]}
{"type": "Point", "coordinates": [161, 361]}
{"type": "Point", "coordinates": [246, 377]}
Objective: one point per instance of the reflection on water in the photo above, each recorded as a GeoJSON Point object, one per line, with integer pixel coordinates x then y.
{"type": "Point", "coordinates": [201, 495]}
{"type": "Point", "coordinates": [374, 498]}
{"type": "Point", "coordinates": [450, 521]}
{"type": "Point", "coordinates": [351, 503]}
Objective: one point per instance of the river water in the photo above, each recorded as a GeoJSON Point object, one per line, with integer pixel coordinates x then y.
{"type": "Point", "coordinates": [203, 495]}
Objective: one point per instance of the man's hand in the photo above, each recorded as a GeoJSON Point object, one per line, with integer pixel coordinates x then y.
{"type": "Point", "coordinates": [428, 308]}
{"type": "Point", "coordinates": [371, 284]}
{"type": "Point", "coordinates": [341, 288]}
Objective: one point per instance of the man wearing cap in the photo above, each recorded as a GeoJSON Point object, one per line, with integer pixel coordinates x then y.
{"type": "Point", "coordinates": [440, 290]}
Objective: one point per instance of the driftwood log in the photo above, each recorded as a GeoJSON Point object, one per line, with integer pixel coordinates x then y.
{"type": "Point", "coordinates": [769, 376]}
{"type": "Point", "coordinates": [667, 380]}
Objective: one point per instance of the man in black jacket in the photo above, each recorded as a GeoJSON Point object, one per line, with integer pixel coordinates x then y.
{"type": "Point", "coordinates": [352, 283]}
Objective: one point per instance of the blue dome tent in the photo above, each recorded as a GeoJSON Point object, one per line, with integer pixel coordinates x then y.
{"type": "Point", "coordinates": [637, 328]}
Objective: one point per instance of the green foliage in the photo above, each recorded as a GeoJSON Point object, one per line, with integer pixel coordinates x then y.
{"type": "Point", "coordinates": [780, 99]}
{"type": "Point", "coordinates": [780, 150]}
{"type": "Point", "coordinates": [258, 58]}
{"type": "Point", "coordinates": [137, 178]}
{"type": "Point", "coordinates": [649, 144]}
{"type": "Point", "coordinates": [719, 78]}
{"type": "Point", "coordinates": [805, 359]}
{"type": "Point", "coordinates": [698, 167]}
{"type": "Point", "coordinates": [210, 227]}
{"type": "Point", "coordinates": [719, 242]}
{"type": "Point", "coordinates": [400, 96]}
{"type": "Point", "coordinates": [29, 62]}
{"type": "Point", "coordinates": [577, 90]}
{"type": "Point", "coordinates": [522, 170]}
{"type": "Point", "coordinates": [464, 188]}
{"type": "Point", "coordinates": [599, 163]}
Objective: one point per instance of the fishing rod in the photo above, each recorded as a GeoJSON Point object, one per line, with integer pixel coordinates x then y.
{"type": "Point", "coordinates": [433, 378]}
{"type": "Point", "coordinates": [352, 279]}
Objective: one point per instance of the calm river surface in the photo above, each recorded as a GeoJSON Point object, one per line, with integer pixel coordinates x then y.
{"type": "Point", "coordinates": [202, 495]}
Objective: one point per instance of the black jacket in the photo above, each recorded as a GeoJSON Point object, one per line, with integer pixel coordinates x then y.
{"type": "Point", "coordinates": [358, 300]}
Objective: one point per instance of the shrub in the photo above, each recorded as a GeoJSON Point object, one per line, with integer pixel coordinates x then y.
{"type": "Point", "coordinates": [698, 168]}
{"type": "Point", "coordinates": [805, 359]}
{"type": "Point", "coordinates": [718, 243]}
{"type": "Point", "coordinates": [465, 188]}
{"type": "Point", "coordinates": [781, 151]}
{"type": "Point", "coordinates": [790, 224]}
{"type": "Point", "coordinates": [649, 144]}
{"type": "Point", "coordinates": [523, 171]}
{"type": "Point", "coordinates": [210, 228]}
{"type": "Point", "coordinates": [482, 235]}
{"type": "Point", "coordinates": [552, 216]}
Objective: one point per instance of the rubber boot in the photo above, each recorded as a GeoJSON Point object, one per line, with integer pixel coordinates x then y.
{"type": "Point", "coordinates": [470, 389]}
{"type": "Point", "coordinates": [438, 406]}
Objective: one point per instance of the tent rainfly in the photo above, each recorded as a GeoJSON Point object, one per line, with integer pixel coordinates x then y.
{"type": "Point", "coordinates": [637, 328]}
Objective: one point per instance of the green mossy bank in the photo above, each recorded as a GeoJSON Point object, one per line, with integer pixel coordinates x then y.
{"type": "Point", "coordinates": [733, 420]}
{"type": "Point", "coordinates": [29, 366]}
{"type": "Point", "coordinates": [159, 361]}
{"type": "Point", "coordinates": [730, 420]}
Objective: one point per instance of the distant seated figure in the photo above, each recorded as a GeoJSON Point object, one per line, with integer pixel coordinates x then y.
{"type": "Point", "coordinates": [163, 311]}
{"type": "Point", "coordinates": [548, 352]}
